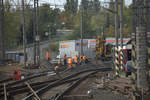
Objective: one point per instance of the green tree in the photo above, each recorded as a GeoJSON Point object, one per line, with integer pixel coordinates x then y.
{"type": "Point", "coordinates": [71, 6]}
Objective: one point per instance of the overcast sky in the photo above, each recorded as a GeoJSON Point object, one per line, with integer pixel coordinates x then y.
{"type": "Point", "coordinates": [60, 2]}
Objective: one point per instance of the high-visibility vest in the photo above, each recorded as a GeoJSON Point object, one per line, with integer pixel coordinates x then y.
{"type": "Point", "coordinates": [65, 57]}
{"type": "Point", "coordinates": [70, 61]}
{"type": "Point", "coordinates": [56, 68]}
{"type": "Point", "coordinates": [17, 74]}
{"type": "Point", "coordinates": [84, 58]}
{"type": "Point", "coordinates": [81, 58]}
{"type": "Point", "coordinates": [76, 59]}
{"type": "Point", "coordinates": [126, 69]}
{"type": "Point", "coordinates": [48, 55]}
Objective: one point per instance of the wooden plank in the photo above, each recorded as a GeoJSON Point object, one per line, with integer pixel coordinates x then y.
{"type": "Point", "coordinates": [37, 97]}
{"type": "Point", "coordinates": [76, 97]}
{"type": "Point", "coordinates": [5, 92]}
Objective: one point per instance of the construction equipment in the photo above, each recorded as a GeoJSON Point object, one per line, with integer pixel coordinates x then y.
{"type": "Point", "coordinates": [103, 50]}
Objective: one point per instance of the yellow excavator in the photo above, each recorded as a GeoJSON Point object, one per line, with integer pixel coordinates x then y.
{"type": "Point", "coordinates": [103, 50]}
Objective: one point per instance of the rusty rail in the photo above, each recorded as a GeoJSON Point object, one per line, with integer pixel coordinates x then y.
{"type": "Point", "coordinates": [56, 83]}
{"type": "Point", "coordinates": [37, 97]}
{"type": "Point", "coordinates": [60, 96]}
{"type": "Point", "coordinates": [26, 79]}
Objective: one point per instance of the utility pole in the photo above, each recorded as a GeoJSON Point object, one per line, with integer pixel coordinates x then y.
{"type": "Point", "coordinates": [141, 48]}
{"type": "Point", "coordinates": [116, 38]}
{"type": "Point", "coordinates": [133, 56]}
{"type": "Point", "coordinates": [36, 32]}
{"type": "Point", "coordinates": [2, 48]}
{"type": "Point", "coordinates": [38, 36]}
{"type": "Point", "coordinates": [24, 34]}
{"type": "Point", "coordinates": [81, 28]}
{"type": "Point", "coordinates": [147, 4]}
{"type": "Point", "coordinates": [121, 32]}
{"type": "Point", "coordinates": [121, 22]}
{"type": "Point", "coordinates": [116, 22]}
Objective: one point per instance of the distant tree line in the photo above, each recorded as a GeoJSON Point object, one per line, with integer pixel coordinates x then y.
{"type": "Point", "coordinates": [94, 18]}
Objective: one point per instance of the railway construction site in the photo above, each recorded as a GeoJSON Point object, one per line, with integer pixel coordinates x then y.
{"type": "Point", "coordinates": [75, 50]}
{"type": "Point", "coordinates": [84, 82]}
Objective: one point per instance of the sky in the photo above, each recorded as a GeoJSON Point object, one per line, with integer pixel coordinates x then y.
{"type": "Point", "coordinates": [61, 2]}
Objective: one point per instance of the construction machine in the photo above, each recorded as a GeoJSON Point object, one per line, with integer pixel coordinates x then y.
{"type": "Point", "coordinates": [103, 50]}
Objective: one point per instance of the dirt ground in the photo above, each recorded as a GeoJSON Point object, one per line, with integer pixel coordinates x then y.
{"type": "Point", "coordinates": [6, 71]}
{"type": "Point", "coordinates": [97, 91]}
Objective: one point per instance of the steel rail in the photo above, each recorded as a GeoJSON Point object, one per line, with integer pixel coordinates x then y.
{"type": "Point", "coordinates": [51, 85]}
{"type": "Point", "coordinates": [21, 81]}
{"type": "Point", "coordinates": [60, 96]}
{"type": "Point", "coordinates": [29, 86]}
{"type": "Point", "coordinates": [5, 92]}
{"type": "Point", "coordinates": [28, 75]}
{"type": "Point", "coordinates": [21, 89]}
{"type": "Point", "coordinates": [54, 85]}
{"type": "Point", "coordinates": [5, 80]}
{"type": "Point", "coordinates": [24, 86]}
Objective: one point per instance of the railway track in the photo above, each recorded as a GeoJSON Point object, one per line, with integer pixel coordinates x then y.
{"type": "Point", "coordinates": [59, 96]}
{"type": "Point", "coordinates": [21, 81]}
{"type": "Point", "coordinates": [41, 91]}
{"type": "Point", "coordinates": [5, 80]}
{"type": "Point", "coordinates": [23, 88]}
{"type": "Point", "coordinates": [39, 88]}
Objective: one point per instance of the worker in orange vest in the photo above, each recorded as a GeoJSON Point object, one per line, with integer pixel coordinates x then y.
{"type": "Point", "coordinates": [81, 60]}
{"type": "Point", "coordinates": [76, 60]}
{"type": "Point", "coordinates": [70, 62]}
{"type": "Point", "coordinates": [65, 59]}
{"type": "Point", "coordinates": [56, 68]}
{"type": "Point", "coordinates": [48, 56]}
{"type": "Point", "coordinates": [84, 59]}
